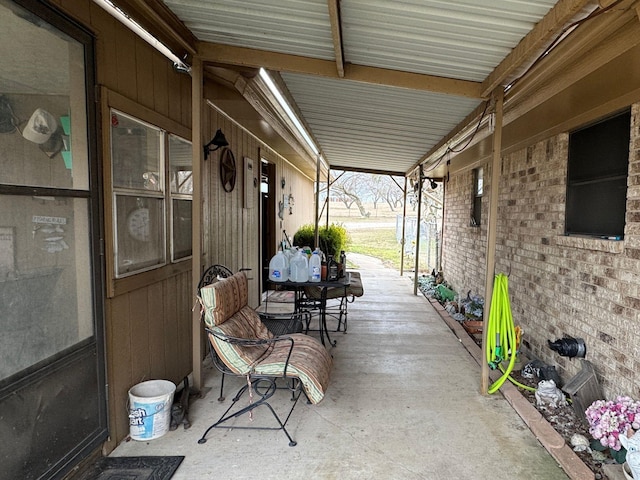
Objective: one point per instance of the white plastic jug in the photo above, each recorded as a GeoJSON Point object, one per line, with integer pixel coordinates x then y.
{"type": "Point", "coordinates": [278, 268]}
{"type": "Point", "coordinates": [299, 268]}
{"type": "Point", "coordinates": [315, 267]}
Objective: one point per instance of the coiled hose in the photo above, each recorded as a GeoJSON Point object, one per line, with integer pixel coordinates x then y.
{"type": "Point", "coordinates": [501, 334]}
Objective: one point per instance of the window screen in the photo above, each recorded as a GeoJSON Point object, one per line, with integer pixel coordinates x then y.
{"type": "Point", "coordinates": [597, 178]}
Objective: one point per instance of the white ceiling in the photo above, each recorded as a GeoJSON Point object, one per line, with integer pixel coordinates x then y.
{"type": "Point", "coordinates": [359, 124]}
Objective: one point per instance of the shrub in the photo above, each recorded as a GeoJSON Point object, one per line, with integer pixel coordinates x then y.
{"type": "Point", "coordinates": [332, 239]}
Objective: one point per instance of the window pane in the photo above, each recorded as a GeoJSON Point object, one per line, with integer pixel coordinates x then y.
{"type": "Point", "coordinates": [597, 178]}
{"type": "Point", "coordinates": [45, 280]}
{"type": "Point", "coordinates": [139, 232]}
{"type": "Point", "coordinates": [601, 150]}
{"type": "Point", "coordinates": [181, 229]}
{"type": "Point", "coordinates": [136, 151]}
{"type": "Point", "coordinates": [597, 208]}
{"type": "Point", "coordinates": [42, 105]}
{"type": "Point", "coordinates": [479, 182]}
{"type": "Point", "coordinates": [180, 160]}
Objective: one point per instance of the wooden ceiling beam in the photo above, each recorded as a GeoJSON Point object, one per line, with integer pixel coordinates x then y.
{"type": "Point", "coordinates": [336, 33]}
{"type": "Point", "coordinates": [539, 36]}
{"type": "Point", "coordinates": [282, 62]}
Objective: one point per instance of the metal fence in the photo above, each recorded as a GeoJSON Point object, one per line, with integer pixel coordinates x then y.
{"type": "Point", "coordinates": [430, 242]}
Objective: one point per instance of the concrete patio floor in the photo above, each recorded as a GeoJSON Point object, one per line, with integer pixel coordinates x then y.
{"type": "Point", "coordinates": [404, 402]}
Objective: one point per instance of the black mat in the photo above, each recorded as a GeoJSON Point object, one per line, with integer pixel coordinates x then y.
{"type": "Point", "coordinates": [133, 468]}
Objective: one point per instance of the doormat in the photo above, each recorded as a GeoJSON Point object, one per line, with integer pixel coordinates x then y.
{"type": "Point", "coordinates": [133, 468]}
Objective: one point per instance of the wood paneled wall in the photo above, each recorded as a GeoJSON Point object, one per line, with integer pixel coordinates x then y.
{"type": "Point", "coordinates": [232, 232]}
{"type": "Point", "coordinates": [147, 326]}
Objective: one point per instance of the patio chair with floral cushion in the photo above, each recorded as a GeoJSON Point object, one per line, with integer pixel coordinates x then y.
{"type": "Point", "coordinates": [241, 344]}
{"type": "Point", "coordinates": [277, 324]}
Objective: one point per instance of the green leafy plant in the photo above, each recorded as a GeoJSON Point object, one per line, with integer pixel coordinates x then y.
{"type": "Point", "coordinates": [333, 239]}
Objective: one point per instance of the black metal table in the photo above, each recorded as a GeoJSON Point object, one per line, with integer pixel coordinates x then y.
{"type": "Point", "coordinates": [324, 285]}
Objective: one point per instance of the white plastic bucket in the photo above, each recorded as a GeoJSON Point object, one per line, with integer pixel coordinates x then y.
{"type": "Point", "coordinates": [150, 409]}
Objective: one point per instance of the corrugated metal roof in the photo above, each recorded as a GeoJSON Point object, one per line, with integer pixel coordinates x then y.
{"type": "Point", "coordinates": [375, 127]}
{"type": "Point", "coordinates": [297, 27]}
{"type": "Point", "coordinates": [370, 126]}
{"type": "Point", "coordinates": [459, 39]}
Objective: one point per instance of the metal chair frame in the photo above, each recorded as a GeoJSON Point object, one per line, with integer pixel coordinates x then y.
{"type": "Point", "coordinates": [276, 324]}
{"type": "Point", "coordinates": [255, 382]}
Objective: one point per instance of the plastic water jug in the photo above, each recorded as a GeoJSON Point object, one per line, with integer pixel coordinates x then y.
{"type": "Point", "coordinates": [299, 268]}
{"type": "Point", "coordinates": [278, 268]}
{"type": "Point", "coordinates": [315, 267]}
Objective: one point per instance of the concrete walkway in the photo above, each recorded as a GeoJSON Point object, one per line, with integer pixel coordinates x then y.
{"type": "Point", "coordinates": [403, 403]}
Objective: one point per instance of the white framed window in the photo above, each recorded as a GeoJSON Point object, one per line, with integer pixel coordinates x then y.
{"type": "Point", "coordinates": [478, 192]}
{"type": "Point", "coordinates": [152, 190]}
{"type": "Point", "coordinates": [181, 192]}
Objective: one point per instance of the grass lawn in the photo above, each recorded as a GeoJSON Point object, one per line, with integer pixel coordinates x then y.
{"type": "Point", "coordinates": [378, 242]}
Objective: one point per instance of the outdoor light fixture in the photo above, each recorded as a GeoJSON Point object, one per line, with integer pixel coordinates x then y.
{"type": "Point", "coordinates": [217, 141]}
{"type": "Point", "coordinates": [134, 26]}
{"type": "Point", "coordinates": [292, 116]}
{"type": "Point", "coordinates": [432, 183]}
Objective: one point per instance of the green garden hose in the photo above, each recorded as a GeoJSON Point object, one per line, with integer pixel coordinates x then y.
{"type": "Point", "coordinates": [501, 334]}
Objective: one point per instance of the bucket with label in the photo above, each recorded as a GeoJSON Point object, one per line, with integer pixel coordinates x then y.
{"type": "Point", "coordinates": [150, 409]}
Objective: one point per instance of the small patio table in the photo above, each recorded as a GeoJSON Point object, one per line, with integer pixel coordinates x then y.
{"type": "Point", "coordinates": [324, 285]}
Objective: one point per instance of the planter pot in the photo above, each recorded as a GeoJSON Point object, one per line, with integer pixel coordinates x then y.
{"type": "Point", "coordinates": [472, 326]}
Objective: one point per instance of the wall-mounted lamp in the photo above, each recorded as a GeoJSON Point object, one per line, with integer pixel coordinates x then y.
{"type": "Point", "coordinates": [217, 141]}
{"type": "Point", "coordinates": [432, 183]}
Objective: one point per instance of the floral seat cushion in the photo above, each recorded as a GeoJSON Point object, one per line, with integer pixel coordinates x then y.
{"type": "Point", "coordinates": [227, 313]}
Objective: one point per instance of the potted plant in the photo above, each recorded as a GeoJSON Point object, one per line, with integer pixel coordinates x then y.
{"type": "Point", "coordinates": [333, 239]}
{"type": "Point", "coordinates": [609, 420]}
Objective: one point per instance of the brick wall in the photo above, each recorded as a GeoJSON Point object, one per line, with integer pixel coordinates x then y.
{"type": "Point", "coordinates": [464, 246]}
{"type": "Point", "coordinates": [581, 287]}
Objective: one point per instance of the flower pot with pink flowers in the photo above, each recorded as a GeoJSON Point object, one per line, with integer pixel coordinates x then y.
{"type": "Point", "coordinates": [611, 420]}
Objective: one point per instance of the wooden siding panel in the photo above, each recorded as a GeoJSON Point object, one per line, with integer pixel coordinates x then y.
{"type": "Point", "coordinates": [185, 89]}
{"type": "Point", "coordinates": [80, 7]}
{"type": "Point", "coordinates": [171, 329]}
{"type": "Point", "coordinates": [175, 105]}
{"type": "Point", "coordinates": [106, 49]}
{"type": "Point", "coordinates": [156, 313]}
{"type": "Point", "coordinates": [144, 73]}
{"type": "Point", "coordinates": [160, 85]}
{"type": "Point", "coordinates": [125, 61]}
{"type": "Point", "coordinates": [119, 364]}
{"type": "Point", "coordinates": [184, 303]}
{"type": "Point", "coordinates": [139, 334]}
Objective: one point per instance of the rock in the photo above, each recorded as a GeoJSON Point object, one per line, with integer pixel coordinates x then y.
{"type": "Point", "coordinates": [579, 442]}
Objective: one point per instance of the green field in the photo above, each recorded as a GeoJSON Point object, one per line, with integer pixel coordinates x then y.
{"type": "Point", "coordinates": [376, 236]}
{"type": "Point", "coordinates": [376, 242]}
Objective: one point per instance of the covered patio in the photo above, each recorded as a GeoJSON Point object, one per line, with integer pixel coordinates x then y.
{"type": "Point", "coordinates": [404, 402]}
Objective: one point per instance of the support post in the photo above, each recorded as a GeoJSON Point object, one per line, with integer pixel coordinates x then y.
{"type": "Point", "coordinates": [492, 223]}
{"type": "Point", "coordinates": [404, 224]}
{"type": "Point", "coordinates": [317, 234]}
{"type": "Point", "coordinates": [196, 224]}
{"type": "Point", "coordinates": [328, 193]}
{"type": "Point", "coordinates": [417, 264]}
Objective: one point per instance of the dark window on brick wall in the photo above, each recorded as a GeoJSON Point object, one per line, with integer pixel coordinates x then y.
{"type": "Point", "coordinates": [478, 188]}
{"type": "Point", "coordinates": [597, 177]}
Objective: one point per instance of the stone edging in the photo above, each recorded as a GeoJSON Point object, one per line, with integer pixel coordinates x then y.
{"type": "Point", "coordinates": [550, 439]}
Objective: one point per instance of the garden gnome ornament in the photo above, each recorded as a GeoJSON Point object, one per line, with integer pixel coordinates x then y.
{"type": "Point", "coordinates": [632, 445]}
